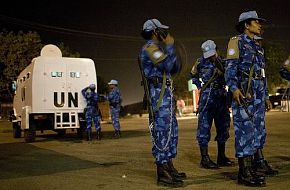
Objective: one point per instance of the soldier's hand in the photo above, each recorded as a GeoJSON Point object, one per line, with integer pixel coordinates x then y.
{"type": "Point", "coordinates": [169, 40]}
{"type": "Point", "coordinates": [238, 96]}
{"type": "Point", "coordinates": [268, 105]}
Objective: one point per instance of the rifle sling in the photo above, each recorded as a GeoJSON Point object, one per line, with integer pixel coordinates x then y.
{"type": "Point", "coordinates": [212, 78]}
{"type": "Point", "coordinates": [250, 76]}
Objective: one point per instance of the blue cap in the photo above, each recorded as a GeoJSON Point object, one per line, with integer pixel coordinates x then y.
{"type": "Point", "coordinates": [250, 15]}
{"type": "Point", "coordinates": [208, 48]}
{"type": "Point", "coordinates": [113, 82]}
{"type": "Point", "coordinates": [152, 24]}
{"type": "Point", "coordinates": [92, 86]}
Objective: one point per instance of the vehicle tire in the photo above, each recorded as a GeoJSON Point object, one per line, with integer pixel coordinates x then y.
{"type": "Point", "coordinates": [80, 132]}
{"type": "Point", "coordinates": [61, 132]}
{"type": "Point", "coordinates": [16, 130]}
{"type": "Point", "coordinates": [29, 135]}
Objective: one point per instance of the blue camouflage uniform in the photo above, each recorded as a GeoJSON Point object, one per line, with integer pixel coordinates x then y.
{"type": "Point", "coordinates": [156, 62]}
{"type": "Point", "coordinates": [248, 118]}
{"type": "Point", "coordinates": [92, 110]}
{"type": "Point", "coordinates": [115, 101]}
{"type": "Point", "coordinates": [212, 102]}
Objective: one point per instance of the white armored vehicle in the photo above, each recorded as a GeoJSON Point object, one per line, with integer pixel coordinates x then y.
{"type": "Point", "coordinates": [48, 94]}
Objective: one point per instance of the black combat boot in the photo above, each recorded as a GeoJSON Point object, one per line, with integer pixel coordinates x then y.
{"type": "Point", "coordinates": [89, 134]}
{"type": "Point", "coordinates": [246, 174]}
{"type": "Point", "coordinates": [206, 162]}
{"type": "Point", "coordinates": [117, 134]}
{"type": "Point", "coordinates": [99, 135]}
{"type": "Point", "coordinates": [261, 165]}
{"type": "Point", "coordinates": [165, 178]}
{"type": "Point", "coordinates": [260, 176]}
{"type": "Point", "coordinates": [174, 172]}
{"type": "Point", "coordinates": [222, 160]}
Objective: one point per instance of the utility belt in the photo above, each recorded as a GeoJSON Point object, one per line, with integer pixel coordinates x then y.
{"type": "Point", "coordinates": [158, 80]}
{"type": "Point", "coordinates": [257, 75]}
{"type": "Point", "coordinates": [216, 86]}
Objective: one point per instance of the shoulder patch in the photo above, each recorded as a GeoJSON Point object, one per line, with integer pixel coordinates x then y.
{"type": "Point", "coordinates": [233, 48]}
{"type": "Point", "coordinates": [156, 55]}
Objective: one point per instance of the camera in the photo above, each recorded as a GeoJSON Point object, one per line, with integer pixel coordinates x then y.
{"type": "Point", "coordinates": [161, 33]}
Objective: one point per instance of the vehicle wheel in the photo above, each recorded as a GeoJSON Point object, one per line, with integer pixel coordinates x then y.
{"type": "Point", "coordinates": [61, 132]}
{"type": "Point", "coordinates": [29, 135]}
{"type": "Point", "coordinates": [16, 130]}
{"type": "Point", "coordinates": [81, 132]}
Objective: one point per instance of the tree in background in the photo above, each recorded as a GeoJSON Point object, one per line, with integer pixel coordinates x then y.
{"type": "Point", "coordinates": [16, 52]}
{"type": "Point", "coordinates": [275, 56]}
{"type": "Point", "coordinates": [180, 81]}
{"type": "Point", "coordinates": [66, 52]}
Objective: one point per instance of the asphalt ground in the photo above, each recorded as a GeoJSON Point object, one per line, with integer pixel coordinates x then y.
{"type": "Point", "coordinates": [68, 163]}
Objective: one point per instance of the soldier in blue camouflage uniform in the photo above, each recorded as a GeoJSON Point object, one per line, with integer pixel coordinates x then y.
{"type": "Point", "coordinates": [115, 101]}
{"type": "Point", "coordinates": [285, 70]}
{"type": "Point", "coordinates": [245, 76]}
{"type": "Point", "coordinates": [212, 104]}
{"type": "Point", "coordinates": [92, 111]}
{"type": "Point", "coordinates": [158, 59]}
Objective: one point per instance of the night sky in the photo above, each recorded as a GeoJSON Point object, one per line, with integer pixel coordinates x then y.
{"type": "Point", "coordinates": [108, 31]}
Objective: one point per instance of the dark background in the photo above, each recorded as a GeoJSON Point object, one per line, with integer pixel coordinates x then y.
{"type": "Point", "coordinates": [108, 31]}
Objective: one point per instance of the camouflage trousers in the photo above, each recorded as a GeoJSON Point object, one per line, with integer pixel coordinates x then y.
{"type": "Point", "coordinates": [161, 138]}
{"type": "Point", "coordinates": [92, 116]}
{"type": "Point", "coordinates": [165, 133]}
{"type": "Point", "coordinates": [213, 107]}
{"type": "Point", "coordinates": [249, 123]}
{"type": "Point", "coordinates": [115, 113]}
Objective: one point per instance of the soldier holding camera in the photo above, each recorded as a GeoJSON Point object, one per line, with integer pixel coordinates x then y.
{"type": "Point", "coordinates": [157, 64]}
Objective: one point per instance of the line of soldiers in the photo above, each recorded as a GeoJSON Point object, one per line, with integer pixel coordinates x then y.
{"type": "Point", "coordinates": [92, 112]}
{"type": "Point", "coordinates": [242, 71]}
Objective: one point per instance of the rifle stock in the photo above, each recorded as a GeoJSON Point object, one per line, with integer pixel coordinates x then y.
{"type": "Point", "coordinates": [146, 97]}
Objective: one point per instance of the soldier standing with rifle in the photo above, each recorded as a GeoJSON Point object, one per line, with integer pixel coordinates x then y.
{"type": "Point", "coordinates": [245, 76]}
{"type": "Point", "coordinates": [157, 64]}
{"type": "Point", "coordinates": [212, 104]}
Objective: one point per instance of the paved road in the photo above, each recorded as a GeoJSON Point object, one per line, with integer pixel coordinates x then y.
{"type": "Point", "coordinates": [53, 163]}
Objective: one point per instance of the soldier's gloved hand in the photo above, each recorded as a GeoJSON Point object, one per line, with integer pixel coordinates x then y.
{"type": "Point", "coordinates": [169, 40]}
{"type": "Point", "coordinates": [268, 105]}
{"type": "Point", "coordinates": [238, 96]}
